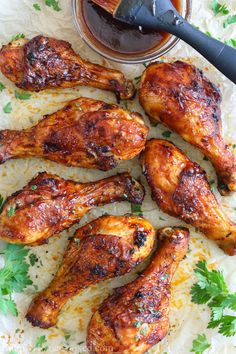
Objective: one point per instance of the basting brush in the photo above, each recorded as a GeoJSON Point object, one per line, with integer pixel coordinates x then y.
{"type": "Point", "coordinates": [162, 15]}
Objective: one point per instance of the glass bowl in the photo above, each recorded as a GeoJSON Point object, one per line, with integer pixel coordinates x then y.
{"type": "Point", "coordinates": [137, 58]}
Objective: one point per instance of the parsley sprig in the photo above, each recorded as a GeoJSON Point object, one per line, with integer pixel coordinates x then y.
{"type": "Point", "coordinates": [211, 289]}
{"type": "Point", "coordinates": [13, 277]}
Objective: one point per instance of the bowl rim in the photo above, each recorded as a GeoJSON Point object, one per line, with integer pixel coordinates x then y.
{"type": "Point", "coordinates": [167, 45]}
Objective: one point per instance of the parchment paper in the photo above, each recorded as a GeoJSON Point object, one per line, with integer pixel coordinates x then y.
{"type": "Point", "coordinates": [187, 319]}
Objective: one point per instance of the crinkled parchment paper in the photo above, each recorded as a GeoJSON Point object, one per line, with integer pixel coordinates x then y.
{"type": "Point", "coordinates": [187, 319]}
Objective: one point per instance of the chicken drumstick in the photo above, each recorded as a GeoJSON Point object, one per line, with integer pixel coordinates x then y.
{"type": "Point", "coordinates": [85, 133]}
{"type": "Point", "coordinates": [43, 63]}
{"type": "Point", "coordinates": [135, 316]}
{"type": "Point", "coordinates": [180, 188]}
{"type": "Point", "coordinates": [107, 247]}
{"type": "Point", "coordinates": [49, 204]}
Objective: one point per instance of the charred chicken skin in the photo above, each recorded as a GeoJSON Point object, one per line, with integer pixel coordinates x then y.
{"type": "Point", "coordinates": [107, 247]}
{"type": "Point", "coordinates": [50, 204]}
{"type": "Point", "coordinates": [135, 316]}
{"type": "Point", "coordinates": [85, 133]}
{"type": "Point", "coordinates": [181, 97]}
{"type": "Point", "coordinates": [43, 63]}
{"type": "Point", "coordinates": [180, 188]}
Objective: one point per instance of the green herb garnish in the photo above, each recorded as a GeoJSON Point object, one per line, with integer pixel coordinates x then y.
{"type": "Point", "coordinates": [41, 342]}
{"type": "Point", "coordinates": [54, 4]}
{"type": "Point", "coordinates": [17, 36]}
{"type": "Point", "coordinates": [33, 259]}
{"type": "Point", "coordinates": [2, 87]}
{"type": "Point", "coordinates": [219, 9]}
{"type": "Point", "coordinates": [11, 211]}
{"type": "Point", "coordinates": [37, 7]}
{"type": "Point", "coordinates": [7, 108]}
{"type": "Point", "coordinates": [229, 21]}
{"type": "Point", "coordinates": [167, 134]}
{"type": "Point", "coordinates": [22, 95]}
{"type": "Point", "coordinates": [231, 42]}
{"type": "Point", "coordinates": [13, 277]}
{"type": "Point", "coordinates": [200, 344]}
{"type": "Point", "coordinates": [137, 209]}
{"type": "Point", "coordinates": [211, 289]}
{"type": "Point", "coordinates": [2, 201]}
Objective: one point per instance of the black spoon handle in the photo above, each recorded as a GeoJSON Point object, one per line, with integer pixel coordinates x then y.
{"type": "Point", "coordinates": [222, 56]}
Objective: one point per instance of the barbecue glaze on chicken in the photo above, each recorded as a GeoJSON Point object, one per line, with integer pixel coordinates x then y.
{"type": "Point", "coordinates": [136, 316]}
{"type": "Point", "coordinates": [43, 63]}
{"type": "Point", "coordinates": [107, 247]}
{"type": "Point", "coordinates": [49, 204]}
{"type": "Point", "coordinates": [181, 97]}
{"type": "Point", "coordinates": [85, 133]}
{"type": "Point", "coordinates": [180, 188]}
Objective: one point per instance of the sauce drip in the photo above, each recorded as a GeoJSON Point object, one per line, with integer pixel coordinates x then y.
{"type": "Point", "coordinates": [117, 36]}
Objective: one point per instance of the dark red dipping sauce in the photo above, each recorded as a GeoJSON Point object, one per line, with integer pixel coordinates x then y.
{"type": "Point", "coordinates": [118, 36]}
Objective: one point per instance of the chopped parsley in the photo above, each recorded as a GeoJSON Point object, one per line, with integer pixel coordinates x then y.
{"type": "Point", "coordinates": [138, 324]}
{"type": "Point", "coordinates": [125, 104]}
{"type": "Point", "coordinates": [33, 259]}
{"type": "Point", "coordinates": [200, 344]}
{"type": "Point", "coordinates": [219, 9]}
{"type": "Point", "coordinates": [33, 187]}
{"type": "Point", "coordinates": [2, 87]}
{"type": "Point", "coordinates": [7, 108]}
{"type": "Point", "coordinates": [54, 4]}
{"type": "Point", "coordinates": [67, 336]}
{"type": "Point", "coordinates": [11, 211]}
{"type": "Point", "coordinates": [137, 79]}
{"type": "Point", "coordinates": [22, 95]}
{"type": "Point", "coordinates": [165, 277]}
{"type": "Point", "coordinates": [2, 201]}
{"type": "Point", "coordinates": [37, 7]}
{"type": "Point", "coordinates": [229, 21]}
{"type": "Point", "coordinates": [211, 289]}
{"type": "Point", "coordinates": [212, 185]}
{"type": "Point", "coordinates": [17, 36]}
{"type": "Point", "coordinates": [136, 209]}
{"type": "Point", "coordinates": [167, 134]}
{"type": "Point", "coordinates": [40, 343]}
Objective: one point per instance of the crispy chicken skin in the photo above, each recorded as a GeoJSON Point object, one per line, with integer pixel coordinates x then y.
{"type": "Point", "coordinates": [49, 204]}
{"type": "Point", "coordinates": [180, 188]}
{"type": "Point", "coordinates": [85, 133]}
{"type": "Point", "coordinates": [107, 247]}
{"type": "Point", "coordinates": [135, 316]}
{"type": "Point", "coordinates": [181, 97]}
{"type": "Point", "coordinates": [43, 63]}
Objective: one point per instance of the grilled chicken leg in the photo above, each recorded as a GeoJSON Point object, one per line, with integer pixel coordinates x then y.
{"type": "Point", "coordinates": [50, 204]}
{"type": "Point", "coordinates": [85, 133]}
{"type": "Point", "coordinates": [135, 316]}
{"type": "Point", "coordinates": [180, 188]}
{"type": "Point", "coordinates": [181, 97]}
{"type": "Point", "coordinates": [43, 63]}
{"type": "Point", "coordinates": [107, 247]}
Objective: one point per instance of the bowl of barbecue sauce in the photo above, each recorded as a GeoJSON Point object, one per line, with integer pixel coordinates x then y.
{"type": "Point", "coordinates": [119, 41]}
